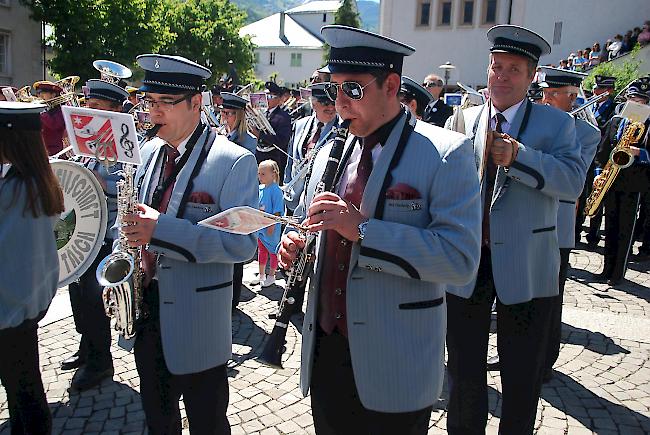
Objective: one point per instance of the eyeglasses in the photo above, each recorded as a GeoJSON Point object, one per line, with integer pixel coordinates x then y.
{"type": "Point", "coordinates": [228, 113]}
{"type": "Point", "coordinates": [352, 89]}
{"type": "Point", "coordinates": [163, 105]}
{"type": "Point", "coordinates": [432, 84]}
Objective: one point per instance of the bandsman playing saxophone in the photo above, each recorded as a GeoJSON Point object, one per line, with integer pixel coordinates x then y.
{"type": "Point", "coordinates": [622, 200]}
{"type": "Point", "coordinates": [189, 173]}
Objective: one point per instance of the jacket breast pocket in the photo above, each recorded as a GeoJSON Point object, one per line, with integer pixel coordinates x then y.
{"type": "Point", "coordinates": [407, 211]}
{"type": "Point", "coordinates": [195, 212]}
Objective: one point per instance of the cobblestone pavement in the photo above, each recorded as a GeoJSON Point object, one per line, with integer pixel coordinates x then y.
{"type": "Point", "coordinates": [601, 384]}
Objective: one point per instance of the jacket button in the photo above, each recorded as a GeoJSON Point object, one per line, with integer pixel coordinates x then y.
{"type": "Point", "coordinates": [341, 267]}
{"type": "Point", "coordinates": [338, 315]}
{"type": "Point", "coordinates": [338, 292]}
{"type": "Point", "coordinates": [344, 242]}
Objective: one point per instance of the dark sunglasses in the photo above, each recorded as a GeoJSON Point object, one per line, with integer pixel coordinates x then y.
{"type": "Point", "coordinates": [351, 89]}
{"type": "Point", "coordinates": [431, 84]}
{"type": "Point", "coordinates": [325, 101]}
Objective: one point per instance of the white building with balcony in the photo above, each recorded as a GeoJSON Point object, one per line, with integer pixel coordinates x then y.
{"type": "Point", "coordinates": [21, 55]}
{"type": "Point", "coordinates": [454, 30]}
{"type": "Point", "coordinates": [289, 43]}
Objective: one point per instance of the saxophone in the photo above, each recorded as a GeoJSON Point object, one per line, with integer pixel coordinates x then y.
{"type": "Point", "coordinates": [120, 273]}
{"type": "Point", "coordinates": [621, 157]}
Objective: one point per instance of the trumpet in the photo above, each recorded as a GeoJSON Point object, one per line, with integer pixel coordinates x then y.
{"type": "Point", "coordinates": [256, 119]}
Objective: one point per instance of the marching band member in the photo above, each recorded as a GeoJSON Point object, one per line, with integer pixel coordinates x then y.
{"type": "Point", "coordinates": [414, 96]}
{"type": "Point", "coordinates": [94, 356]}
{"type": "Point", "coordinates": [523, 174]}
{"type": "Point", "coordinates": [274, 146]}
{"type": "Point", "coordinates": [437, 111]}
{"type": "Point", "coordinates": [309, 132]}
{"type": "Point", "coordinates": [132, 100]}
{"type": "Point", "coordinates": [402, 223]}
{"type": "Point", "coordinates": [622, 200]}
{"type": "Point", "coordinates": [560, 90]}
{"type": "Point", "coordinates": [603, 111]}
{"type": "Point", "coordinates": [189, 174]}
{"type": "Point", "coordinates": [233, 113]}
{"type": "Point", "coordinates": [30, 202]}
{"type": "Point", "coordinates": [52, 123]}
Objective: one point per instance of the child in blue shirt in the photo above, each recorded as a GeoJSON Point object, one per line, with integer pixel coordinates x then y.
{"type": "Point", "coordinates": [271, 201]}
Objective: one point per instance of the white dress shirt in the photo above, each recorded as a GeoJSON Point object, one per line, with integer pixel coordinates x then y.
{"type": "Point", "coordinates": [509, 114]}
{"type": "Point", "coordinates": [4, 170]}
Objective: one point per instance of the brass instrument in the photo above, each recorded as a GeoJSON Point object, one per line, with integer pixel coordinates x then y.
{"type": "Point", "coordinates": [24, 95]}
{"type": "Point", "coordinates": [68, 95]}
{"type": "Point", "coordinates": [621, 157]}
{"type": "Point", "coordinates": [256, 119]}
{"type": "Point", "coordinates": [470, 98]}
{"type": "Point", "coordinates": [583, 111]}
{"type": "Point", "coordinates": [301, 267]}
{"type": "Point", "coordinates": [120, 273]}
{"type": "Point", "coordinates": [288, 105]}
{"type": "Point", "coordinates": [112, 72]}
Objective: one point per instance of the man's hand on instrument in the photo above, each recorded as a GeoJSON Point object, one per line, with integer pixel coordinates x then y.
{"type": "Point", "coordinates": [289, 246]}
{"type": "Point", "coordinates": [329, 211]}
{"type": "Point", "coordinates": [635, 151]}
{"type": "Point", "coordinates": [504, 150]}
{"type": "Point", "coordinates": [255, 132]}
{"type": "Point", "coordinates": [101, 180]}
{"type": "Point", "coordinates": [139, 227]}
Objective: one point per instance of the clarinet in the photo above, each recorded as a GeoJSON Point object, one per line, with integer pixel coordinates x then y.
{"type": "Point", "coordinates": [301, 267]}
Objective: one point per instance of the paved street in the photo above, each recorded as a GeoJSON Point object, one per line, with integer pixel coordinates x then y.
{"type": "Point", "coordinates": [601, 384]}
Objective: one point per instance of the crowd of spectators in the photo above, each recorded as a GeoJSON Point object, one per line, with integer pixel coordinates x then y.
{"type": "Point", "coordinates": [583, 60]}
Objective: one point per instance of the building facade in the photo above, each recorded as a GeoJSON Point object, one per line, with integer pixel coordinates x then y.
{"type": "Point", "coordinates": [454, 30]}
{"type": "Point", "coordinates": [289, 44]}
{"type": "Point", "coordinates": [21, 55]}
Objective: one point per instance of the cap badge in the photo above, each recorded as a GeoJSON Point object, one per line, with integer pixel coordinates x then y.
{"type": "Point", "coordinates": [156, 65]}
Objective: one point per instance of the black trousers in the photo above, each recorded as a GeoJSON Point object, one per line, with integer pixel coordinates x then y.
{"type": "Point", "coordinates": [237, 279]}
{"type": "Point", "coordinates": [555, 335]}
{"type": "Point", "coordinates": [522, 337]}
{"type": "Point", "coordinates": [644, 221]}
{"type": "Point", "coordinates": [20, 374]}
{"type": "Point", "coordinates": [205, 393]}
{"type": "Point", "coordinates": [89, 317]}
{"type": "Point", "coordinates": [620, 218]}
{"type": "Point", "coordinates": [336, 407]}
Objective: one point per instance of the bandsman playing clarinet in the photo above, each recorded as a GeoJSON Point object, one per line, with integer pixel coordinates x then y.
{"type": "Point", "coordinates": [402, 222]}
{"type": "Point", "coordinates": [189, 173]}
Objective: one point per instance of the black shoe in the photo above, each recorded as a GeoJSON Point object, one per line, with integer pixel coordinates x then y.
{"type": "Point", "coordinates": [600, 277]}
{"type": "Point", "coordinates": [642, 256]}
{"type": "Point", "coordinates": [493, 363]}
{"type": "Point", "coordinates": [613, 282]}
{"type": "Point", "coordinates": [73, 362]}
{"type": "Point", "coordinates": [548, 376]}
{"type": "Point", "coordinates": [86, 378]}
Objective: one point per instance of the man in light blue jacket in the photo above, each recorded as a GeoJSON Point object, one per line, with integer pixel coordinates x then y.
{"type": "Point", "coordinates": [523, 173]}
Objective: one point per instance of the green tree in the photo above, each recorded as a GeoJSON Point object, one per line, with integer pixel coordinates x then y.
{"type": "Point", "coordinates": [347, 15]}
{"type": "Point", "coordinates": [625, 71]}
{"type": "Point", "coordinates": [207, 32]}
{"type": "Point", "coordinates": [87, 30]}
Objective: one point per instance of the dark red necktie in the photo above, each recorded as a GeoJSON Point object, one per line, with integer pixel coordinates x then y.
{"type": "Point", "coordinates": [489, 185]}
{"type": "Point", "coordinates": [357, 181]}
{"type": "Point", "coordinates": [148, 258]}
{"type": "Point", "coordinates": [314, 139]}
